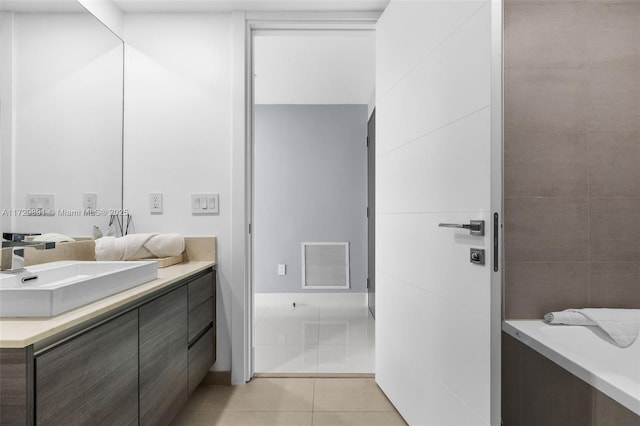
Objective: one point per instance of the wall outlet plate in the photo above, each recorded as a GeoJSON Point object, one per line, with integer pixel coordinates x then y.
{"type": "Point", "coordinates": [202, 204]}
{"type": "Point", "coordinates": [41, 205]}
{"type": "Point", "coordinates": [282, 269]}
{"type": "Point", "coordinates": [89, 201]}
{"type": "Point", "coordinates": [155, 203]}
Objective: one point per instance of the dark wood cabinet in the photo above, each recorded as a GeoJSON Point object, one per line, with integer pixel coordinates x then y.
{"type": "Point", "coordinates": [202, 336]}
{"type": "Point", "coordinates": [16, 386]}
{"type": "Point", "coordinates": [200, 290]}
{"type": "Point", "coordinates": [91, 379]}
{"type": "Point", "coordinates": [201, 358]}
{"type": "Point", "coordinates": [163, 357]}
{"type": "Point", "coordinates": [200, 318]}
{"type": "Point", "coordinates": [134, 366]}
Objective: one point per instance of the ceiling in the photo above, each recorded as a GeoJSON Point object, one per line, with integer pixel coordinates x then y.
{"type": "Point", "coordinates": [133, 6]}
{"type": "Point", "coordinates": [293, 67]}
{"type": "Point", "coordinates": [252, 5]}
{"type": "Point", "coordinates": [314, 67]}
{"type": "Point", "coordinates": [48, 6]}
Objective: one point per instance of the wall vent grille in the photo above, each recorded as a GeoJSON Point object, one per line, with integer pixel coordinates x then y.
{"type": "Point", "coordinates": [325, 265]}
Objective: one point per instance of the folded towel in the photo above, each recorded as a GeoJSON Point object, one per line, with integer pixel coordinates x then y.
{"type": "Point", "coordinates": [52, 236]}
{"type": "Point", "coordinates": [139, 246]}
{"type": "Point", "coordinates": [622, 325]}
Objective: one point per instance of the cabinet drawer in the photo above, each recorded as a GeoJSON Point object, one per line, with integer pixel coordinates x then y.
{"type": "Point", "coordinates": [201, 358]}
{"type": "Point", "coordinates": [200, 290]}
{"type": "Point", "coordinates": [200, 318]}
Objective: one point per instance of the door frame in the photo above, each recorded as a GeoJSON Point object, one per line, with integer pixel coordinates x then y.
{"type": "Point", "coordinates": [497, 208]}
{"type": "Point", "coordinates": [244, 26]}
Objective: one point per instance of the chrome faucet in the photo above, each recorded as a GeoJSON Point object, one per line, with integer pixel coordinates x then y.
{"type": "Point", "coordinates": [17, 254]}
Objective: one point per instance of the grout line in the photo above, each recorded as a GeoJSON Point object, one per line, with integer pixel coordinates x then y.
{"type": "Point", "coordinates": [589, 163]}
{"type": "Point", "coordinates": [313, 398]}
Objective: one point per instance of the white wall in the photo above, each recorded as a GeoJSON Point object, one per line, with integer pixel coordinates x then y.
{"type": "Point", "coordinates": [314, 67]}
{"type": "Point", "coordinates": [67, 118]}
{"type": "Point", "coordinates": [178, 133]}
{"type": "Point", "coordinates": [433, 134]}
{"type": "Point", "coordinates": [6, 115]}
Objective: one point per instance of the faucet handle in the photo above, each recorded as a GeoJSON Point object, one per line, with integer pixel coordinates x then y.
{"type": "Point", "coordinates": [17, 259]}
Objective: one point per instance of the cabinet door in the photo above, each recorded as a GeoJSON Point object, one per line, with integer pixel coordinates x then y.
{"type": "Point", "coordinates": [163, 357]}
{"type": "Point", "coordinates": [91, 379]}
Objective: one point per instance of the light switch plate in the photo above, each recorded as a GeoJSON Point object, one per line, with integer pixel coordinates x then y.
{"type": "Point", "coordinates": [202, 204]}
{"type": "Point", "coordinates": [282, 269]}
{"type": "Point", "coordinates": [41, 205]}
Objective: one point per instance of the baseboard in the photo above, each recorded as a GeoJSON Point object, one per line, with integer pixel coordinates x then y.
{"type": "Point", "coordinates": [314, 375]}
{"type": "Point", "coordinates": [312, 299]}
{"type": "Point", "coordinates": [217, 378]}
{"type": "Point", "coordinates": [224, 377]}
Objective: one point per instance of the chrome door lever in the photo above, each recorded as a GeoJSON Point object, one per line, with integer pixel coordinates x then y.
{"type": "Point", "coordinates": [475, 227]}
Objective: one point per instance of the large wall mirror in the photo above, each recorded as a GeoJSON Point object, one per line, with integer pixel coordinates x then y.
{"type": "Point", "coordinates": [61, 118]}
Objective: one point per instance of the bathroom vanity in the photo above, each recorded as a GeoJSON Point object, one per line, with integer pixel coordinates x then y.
{"type": "Point", "coordinates": [131, 358]}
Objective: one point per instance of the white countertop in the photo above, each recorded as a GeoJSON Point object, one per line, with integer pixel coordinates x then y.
{"type": "Point", "coordinates": [588, 353]}
{"type": "Point", "coordinates": [22, 332]}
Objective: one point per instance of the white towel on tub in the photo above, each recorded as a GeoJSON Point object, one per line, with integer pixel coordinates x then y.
{"type": "Point", "coordinates": [622, 325]}
{"type": "Point", "coordinates": [139, 246]}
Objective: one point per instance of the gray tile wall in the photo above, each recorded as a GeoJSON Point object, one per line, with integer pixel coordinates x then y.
{"type": "Point", "coordinates": [536, 391]}
{"type": "Point", "coordinates": [571, 155]}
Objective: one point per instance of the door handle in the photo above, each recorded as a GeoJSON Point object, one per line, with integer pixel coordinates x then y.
{"type": "Point", "coordinates": [475, 227]}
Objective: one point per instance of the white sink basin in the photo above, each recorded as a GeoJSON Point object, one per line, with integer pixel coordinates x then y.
{"type": "Point", "coordinates": [62, 286]}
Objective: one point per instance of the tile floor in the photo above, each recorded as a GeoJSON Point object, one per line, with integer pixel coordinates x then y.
{"type": "Point", "coordinates": [291, 402]}
{"type": "Point", "coordinates": [314, 339]}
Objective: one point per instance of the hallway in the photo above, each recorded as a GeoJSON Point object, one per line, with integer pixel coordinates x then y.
{"type": "Point", "coordinates": [314, 339]}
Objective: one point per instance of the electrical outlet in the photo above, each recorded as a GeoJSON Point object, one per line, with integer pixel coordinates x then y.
{"type": "Point", "coordinates": [155, 203]}
{"type": "Point", "coordinates": [89, 201]}
{"type": "Point", "coordinates": [282, 269]}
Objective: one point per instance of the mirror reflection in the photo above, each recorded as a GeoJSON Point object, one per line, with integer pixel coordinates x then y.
{"type": "Point", "coordinates": [61, 93]}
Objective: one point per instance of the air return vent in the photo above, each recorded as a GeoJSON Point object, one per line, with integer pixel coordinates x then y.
{"type": "Point", "coordinates": [325, 265]}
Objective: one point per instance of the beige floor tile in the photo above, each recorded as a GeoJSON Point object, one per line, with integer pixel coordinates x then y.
{"type": "Point", "coordinates": [349, 395]}
{"type": "Point", "coordinates": [357, 418]}
{"type": "Point", "coordinates": [263, 394]}
{"type": "Point", "coordinates": [243, 418]}
{"type": "Point", "coordinates": [202, 394]}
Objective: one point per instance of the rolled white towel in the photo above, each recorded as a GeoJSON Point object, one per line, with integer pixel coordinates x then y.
{"type": "Point", "coordinates": [165, 245]}
{"type": "Point", "coordinates": [568, 317]}
{"type": "Point", "coordinates": [621, 325]}
{"type": "Point", "coordinates": [139, 246]}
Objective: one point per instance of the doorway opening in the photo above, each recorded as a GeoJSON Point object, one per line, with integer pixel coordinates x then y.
{"type": "Point", "coordinates": [312, 99]}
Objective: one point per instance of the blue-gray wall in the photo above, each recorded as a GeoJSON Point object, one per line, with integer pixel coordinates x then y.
{"type": "Point", "coordinates": [310, 185]}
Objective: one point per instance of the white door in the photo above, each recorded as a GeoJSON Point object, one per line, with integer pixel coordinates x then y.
{"type": "Point", "coordinates": [438, 129]}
